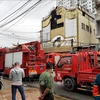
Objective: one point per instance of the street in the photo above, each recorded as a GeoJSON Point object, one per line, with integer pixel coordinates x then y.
{"type": "Point", "coordinates": [79, 95]}
{"type": "Point", "coordinates": [59, 90]}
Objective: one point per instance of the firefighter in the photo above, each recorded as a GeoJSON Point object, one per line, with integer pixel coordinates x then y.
{"type": "Point", "coordinates": [96, 88]}
{"type": "Point", "coordinates": [46, 83]}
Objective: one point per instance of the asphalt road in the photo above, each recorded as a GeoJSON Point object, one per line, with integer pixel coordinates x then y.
{"type": "Point", "coordinates": [59, 90]}
{"type": "Point", "coordinates": [78, 95]}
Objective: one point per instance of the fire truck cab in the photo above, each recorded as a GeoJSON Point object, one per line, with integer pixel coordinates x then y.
{"type": "Point", "coordinates": [53, 58]}
{"type": "Point", "coordinates": [78, 70]}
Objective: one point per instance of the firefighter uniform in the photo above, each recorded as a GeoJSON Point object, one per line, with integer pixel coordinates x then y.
{"type": "Point", "coordinates": [96, 88]}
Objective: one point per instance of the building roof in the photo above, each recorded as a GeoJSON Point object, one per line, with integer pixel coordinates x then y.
{"type": "Point", "coordinates": [72, 9]}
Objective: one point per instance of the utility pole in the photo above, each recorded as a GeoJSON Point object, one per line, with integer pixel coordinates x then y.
{"type": "Point", "coordinates": [78, 3]}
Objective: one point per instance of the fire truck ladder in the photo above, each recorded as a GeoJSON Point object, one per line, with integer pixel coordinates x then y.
{"type": "Point", "coordinates": [32, 55]}
{"type": "Point", "coordinates": [31, 48]}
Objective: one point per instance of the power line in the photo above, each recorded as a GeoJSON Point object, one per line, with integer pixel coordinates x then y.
{"type": "Point", "coordinates": [16, 10]}
{"type": "Point", "coordinates": [23, 32]}
{"type": "Point", "coordinates": [12, 24]}
{"type": "Point", "coordinates": [24, 16]}
{"type": "Point", "coordinates": [17, 37]}
{"type": "Point", "coordinates": [14, 31]}
{"type": "Point", "coordinates": [17, 13]}
{"type": "Point", "coordinates": [28, 10]}
{"type": "Point", "coordinates": [11, 8]}
{"type": "Point", "coordinates": [44, 5]}
{"type": "Point", "coordinates": [13, 35]}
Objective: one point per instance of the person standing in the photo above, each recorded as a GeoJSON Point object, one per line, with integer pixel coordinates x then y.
{"type": "Point", "coordinates": [46, 83]}
{"type": "Point", "coordinates": [96, 88]}
{"type": "Point", "coordinates": [16, 74]}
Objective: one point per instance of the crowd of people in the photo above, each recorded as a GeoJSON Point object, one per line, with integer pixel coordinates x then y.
{"type": "Point", "coordinates": [45, 82]}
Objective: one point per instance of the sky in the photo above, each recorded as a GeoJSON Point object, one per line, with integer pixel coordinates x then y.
{"type": "Point", "coordinates": [27, 25]}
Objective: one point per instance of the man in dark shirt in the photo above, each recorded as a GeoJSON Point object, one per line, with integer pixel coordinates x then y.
{"type": "Point", "coordinates": [46, 83]}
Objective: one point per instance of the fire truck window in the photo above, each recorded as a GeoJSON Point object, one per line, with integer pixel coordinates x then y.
{"type": "Point", "coordinates": [50, 56]}
{"type": "Point", "coordinates": [98, 63]}
{"type": "Point", "coordinates": [64, 61]}
{"type": "Point", "coordinates": [84, 59]}
{"type": "Point", "coordinates": [92, 60]}
{"type": "Point", "coordinates": [0, 53]}
{"type": "Point", "coordinates": [46, 56]}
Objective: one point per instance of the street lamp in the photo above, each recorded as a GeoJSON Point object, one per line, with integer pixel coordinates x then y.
{"type": "Point", "coordinates": [17, 37]}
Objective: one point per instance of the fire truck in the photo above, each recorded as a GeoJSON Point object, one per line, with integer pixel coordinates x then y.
{"type": "Point", "coordinates": [78, 70]}
{"type": "Point", "coordinates": [29, 55]}
{"type": "Point", "coordinates": [53, 58]}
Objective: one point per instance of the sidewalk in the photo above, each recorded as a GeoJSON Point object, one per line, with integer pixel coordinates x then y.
{"type": "Point", "coordinates": [31, 93]}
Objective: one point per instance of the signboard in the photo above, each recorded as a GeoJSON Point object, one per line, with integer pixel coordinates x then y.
{"type": "Point", "coordinates": [64, 42]}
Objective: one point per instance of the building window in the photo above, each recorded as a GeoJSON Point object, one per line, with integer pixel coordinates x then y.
{"type": "Point", "coordinates": [90, 29]}
{"type": "Point", "coordinates": [93, 11]}
{"type": "Point", "coordinates": [60, 25]}
{"type": "Point", "coordinates": [87, 28]}
{"type": "Point", "coordinates": [83, 13]}
{"type": "Point", "coordinates": [94, 31]}
{"type": "Point", "coordinates": [83, 26]}
{"type": "Point", "coordinates": [58, 16]}
{"type": "Point", "coordinates": [0, 53]}
{"type": "Point", "coordinates": [50, 56]}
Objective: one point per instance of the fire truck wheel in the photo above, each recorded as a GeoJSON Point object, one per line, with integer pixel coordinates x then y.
{"type": "Point", "coordinates": [69, 84]}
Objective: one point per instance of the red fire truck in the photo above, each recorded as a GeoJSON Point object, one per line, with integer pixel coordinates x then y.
{"type": "Point", "coordinates": [79, 70]}
{"type": "Point", "coordinates": [29, 55]}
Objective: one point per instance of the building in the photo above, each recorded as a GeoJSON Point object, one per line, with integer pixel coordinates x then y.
{"type": "Point", "coordinates": [83, 3]}
{"type": "Point", "coordinates": [86, 4]}
{"type": "Point", "coordinates": [91, 5]}
{"type": "Point", "coordinates": [97, 19]}
{"type": "Point", "coordinates": [67, 3]}
{"type": "Point", "coordinates": [63, 25]}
